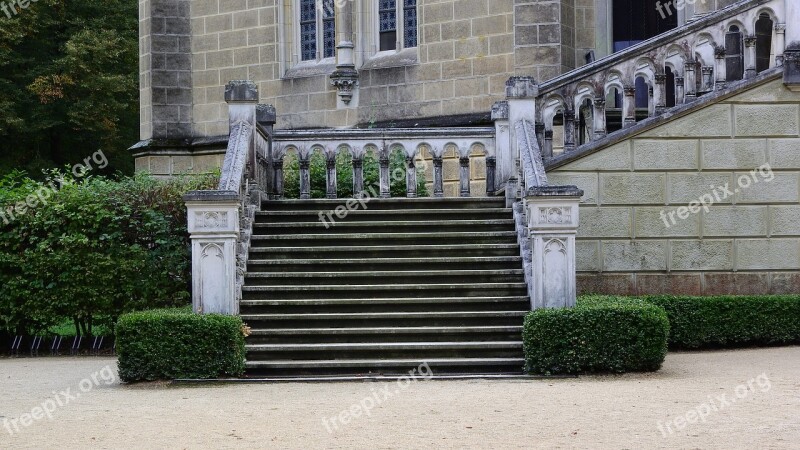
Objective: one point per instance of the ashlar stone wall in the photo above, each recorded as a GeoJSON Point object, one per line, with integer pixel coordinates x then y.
{"type": "Point", "coordinates": [642, 228]}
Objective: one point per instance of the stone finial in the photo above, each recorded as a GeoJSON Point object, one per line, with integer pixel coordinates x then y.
{"type": "Point", "coordinates": [521, 87]}
{"type": "Point", "coordinates": [500, 111]}
{"type": "Point", "coordinates": [244, 91]}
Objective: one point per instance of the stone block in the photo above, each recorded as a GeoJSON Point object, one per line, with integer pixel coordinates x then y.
{"type": "Point", "coordinates": [767, 187]}
{"type": "Point", "coordinates": [785, 220]}
{"type": "Point", "coordinates": [625, 256]}
{"type": "Point", "coordinates": [585, 181]}
{"type": "Point", "coordinates": [142, 164]}
{"type": "Point", "coordinates": [160, 165]}
{"type": "Point", "coordinates": [766, 120]}
{"type": "Point", "coordinates": [587, 255]}
{"type": "Point", "coordinates": [662, 154]}
{"type": "Point", "coordinates": [484, 26]}
{"type": "Point", "coordinates": [785, 283]}
{"type": "Point", "coordinates": [701, 255]}
{"type": "Point", "coordinates": [182, 165]}
{"type": "Point", "coordinates": [632, 188]}
{"type": "Point", "coordinates": [472, 47]}
{"type": "Point", "coordinates": [735, 221]}
{"type": "Point", "coordinates": [232, 39]}
{"type": "Point", "coordinates": [766, 254]}
{"type": "Point", "coordinates": [536, 13]}
{"type": "Point", "coordinates": [491, 65]}
{"type": "Point", "coordinates": [660, 221]}
{"type": "Point", "coordinates": [437, 12]}
{"type": "Point", "coordinates": [784, 153]}
{"type": "Point", "coordinates": [606, 283]}
{"type": "Point", "coordinates": [468, 9]}
{"type": "Point", "coordinates": [714, 121]}
{"type": "Point", "coordinates": [605, 222]}
{"type": "Point", "coordinates": [688, 187]}
{"type": "Point", "coordinates": [735, 283]}
{"type": "Point", "coordinates": [669, 284]}
{"type": "Point", "coordinates": [616, 157]}
{"type": "Point", "coordinates": [733, 154]}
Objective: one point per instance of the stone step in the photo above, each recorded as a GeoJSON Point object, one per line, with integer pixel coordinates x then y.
{"type": "Point", "coordinates": [268, 305]}
{"type": "Point", "coordinates": [384, 319]}
{"type": "Point", "coordinates": [384, 350]}
{"type": "Point", "coordinates": [358, 239]}
{"type": "Point", "coordinates": [387, 277]}
{"type": "Point", "coordinates": [479, 333]}
{"type": "Point", "coordinates": [387, 366]}
{"type": "Point", "coordinates": [291, 292]}
{"type": "Point", "coordinates": [382, 301]}
{"type": "Point", "coordinates": [370, 264]}
{"type": "Point", "coordinates": [383, 226]}
{"type": "Point", "coordinates": [385, 251]}
{"type": "Point", "coordinates": [376, 346]}
{"type": "Point", "coordinates": [386, 204]}
{"type": "Point", "coordinates": [388, 215]}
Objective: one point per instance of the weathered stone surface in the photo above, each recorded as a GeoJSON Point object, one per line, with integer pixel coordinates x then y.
{"type": "Point", "coordinates": [708, 122]}
{"type": "Point", "coordinates": [623, 256]}
{"type": "Point", "coordinates": [664, 221]}
{"type": "Point", "coordinates": [785, 220]}
{"type": "Point", "coordinates": [701, 255]}
{"type": "Point", "coordinates": [785, 283]}
{"type": "Point", "coordinates": [760, 187]}
{"type": "Point", "coordinates": [650, 154]}
{"type": "Point", "coordinates": [733, 221]}
{"type": "Point", "coordinates": [767, 120]}
{"type": "Point", "coordinates": [733, 154]}
{"type": "Point", "coordinates": [763, 254]}
{"type": "Point", "coordinates": [735, 283]}
{"type": "Point", "coordinates": [632, 188]}
{"type": "Point", "coordinates": [587, 182]}
{"type": "Point", "coordinates": [675, 284]}
{"type": "Point", "coordinates": [688, 187]}
{"type": "Point", "coordinates": [605, 222]}
{"type": "Point", "coordinates": [606, 283]}
{"type": "Point", "coordinates": [616, 157]}
{"type": "Point", "coordinates": [587, 255]}
{"type": "Point", "coordinates": [784, 153]}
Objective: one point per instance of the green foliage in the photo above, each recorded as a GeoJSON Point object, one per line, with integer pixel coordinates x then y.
{"type": "Point", "coordinates": [95, 248]}
{"type": "Point", "coordinates": [69, 84]}
{"type": "Point", "coordinates": [615, 335]}
{"type": "Point", "coordinates": [171, 344]}
{"type": "Point", "coordinates": [729, 321]}
{"type": "Point", "coordinates": [344, 175]}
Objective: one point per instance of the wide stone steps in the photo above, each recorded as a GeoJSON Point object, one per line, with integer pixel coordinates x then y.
{"type": "Point", "coordinates": [384, 289]}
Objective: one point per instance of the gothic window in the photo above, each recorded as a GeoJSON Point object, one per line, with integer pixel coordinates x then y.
{"type": "Point", "coordinates": [734, 54]}
{"type": "Point", "coordinates": [390, 27]}
{"type": "Point", "coordinates": [763, 42]}
{"type": "Point", "coordinates": [317, 29]}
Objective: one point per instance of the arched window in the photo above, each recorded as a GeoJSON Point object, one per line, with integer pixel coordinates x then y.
{"type": "Point", "coordinates": [734, 54]}
{"type": "Point", "coordinates": [390, 28]}
{"type": "Point", "coordinates": [642, 98]}
{"type": "Point", "coordinates": [638, 20]}
{"type": "Point", "coordinates": [317, 29]}
{"type": "Point", "coordinates": [763, 42]}
{"type": "Point", "coordinates": [670, 87]}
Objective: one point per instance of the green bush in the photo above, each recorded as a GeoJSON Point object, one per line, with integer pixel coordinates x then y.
{"type": "Point", "coordinates": [92, 250]}
{"type": "Point", "coordinates": [730, 321]}
{"type": "Point", "coordinates": [175, 343]}
{"type": "Point", "coordinates": [609, 336]}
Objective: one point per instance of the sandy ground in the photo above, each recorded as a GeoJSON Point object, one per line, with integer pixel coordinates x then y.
{"type": "Point", "coordinates": [630, 411]}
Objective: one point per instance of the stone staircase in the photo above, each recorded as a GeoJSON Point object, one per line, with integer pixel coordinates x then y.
{"type": "Point", "coordinates": [384, 290]}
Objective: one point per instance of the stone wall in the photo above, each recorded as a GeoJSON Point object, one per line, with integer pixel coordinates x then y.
{"type": "Point", "coordinates": [747, 242]}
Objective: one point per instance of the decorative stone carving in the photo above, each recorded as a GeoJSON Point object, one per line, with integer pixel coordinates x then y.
{"type": "Point", "coordinates": [345, 81]}
{"type": "Point", "coordinates": [211, 220]}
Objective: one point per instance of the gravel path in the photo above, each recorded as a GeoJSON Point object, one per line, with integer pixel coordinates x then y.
{"type": "Point", "coordinates": [631, 411]}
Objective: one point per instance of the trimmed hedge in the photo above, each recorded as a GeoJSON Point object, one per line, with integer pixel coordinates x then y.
{"type": "Point", "coordinates": [175, 343]}
{"type": "Point", "coordinates": [731, 321]}
{"type": "Point", "coordinates": [614, 335]}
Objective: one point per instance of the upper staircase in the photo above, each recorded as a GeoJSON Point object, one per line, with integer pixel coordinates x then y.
{"type": "Point", "coordinates": [388, 288]}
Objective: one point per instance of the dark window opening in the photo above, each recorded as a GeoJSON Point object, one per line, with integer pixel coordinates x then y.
{"type": "Point", "coordinates": [328, 28]}
{"type": "Point", "coordinates": [734, 54]}
{"type": "Point", "coordinates": [410, 24]}
{"type": "Point", "coordinates": [308, 30]}
{"type": "Point", "coordinates": [638, 20]}
{"type": "Point", "coordinates": [670, 87]}
{"type": "Point", "coordinates": [388, 24]}
{"type": "Point", "coordinates": [763, 42]}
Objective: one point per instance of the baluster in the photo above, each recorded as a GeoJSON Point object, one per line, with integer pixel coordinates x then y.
{"type": "Point", "coordinates": [708, 79]}
{"type": "Point", "coordinates": [491, 175]}
{"type": "Point", "coordinates": [651, 104]}
{"type": "Point", "coordinates": [599, 117]}
{"type": "Point", "coordinates": [547, 150]}
{"type": "Point", "coordinates": [463, 161]}
{"type": "Point", "coordinates": [305, 178]}
{"type": "Point", "coordinates": [384, 175]}
{"type": "Point", "coordinates": [721, 68]}
{"type": "Point", "coordinates": [750, 56]}
{"type": "Point", "coordinates": [569, 130]}
{"type": "Point", "coordinates": [330, 176]}
{"type": "Point", "coordinates": [438, 177]}
{"type": "Point", "coordinates": [629, 106]}
{"type": "Point", "coordinates": [780, 43]}
{"type": "Point", "coordinates": [277, 179]}
{"type": "Point", "coordinates": [659, 93]}
{"type": "Point", "coordinates": [358, 176]}
{"type": "Point", "coordinates": [680, 96]}
{"type": "Point", "coordinates": [690, 82]}
{"type": "Point", "coordinates": [411, 177]}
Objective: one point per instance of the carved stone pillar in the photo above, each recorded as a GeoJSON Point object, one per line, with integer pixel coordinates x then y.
{"type": "Point", "coordinates": [691, 80]}
{"type": "Point", "coordinates": [707, 83]}
{"type": "Point", "coordinates": [213, 224]}
{"type": "Point", "coordinates": [599, 117]}
{"type": "Point", "coordinates": [569, 130]}
{"type": "Point", "coordinates": [491, 173]}
{"type": "Point", "coordinates": [305, 178]}
{"type": "Point", "coordinates": [780, 43]}
{"type": "Point", "coordinates": [539, 127]}
{"type": "Point", "coordinates": [552, 213]}
{"type": "Point", "coordinates": [721, 68]}
{"type": "Point", "coordinates": [438, 177]}
{"type": "Point", "coordinates": [463, 163]}
{"type": "Point", "coordinates": [505, 157]}
{"type": "Point", "coordinates": [330, 175]}
{"type": "Point", "coordinates": [345, 77]}
{"type": "Point", "coordinates": [277, 180]}
{"type": "Point", "coordinates": [680, 93]}
{"type": "Point", "coordinates": [629, 106]}
{"type": "Point", "coordinates": [660, 93]}
{"type": "Point", "coordinates": [383, 175]}
{"type": "Point", "coordinates": [750, 57]}
{"type": "Point", "coordinates": [651, 104]}
{"type": "Point", "coordinates": [547, 150]}
{"type": "Point", "coordinates": [358, 175]}
{"type": "Point", "coordinates": [411, 177]}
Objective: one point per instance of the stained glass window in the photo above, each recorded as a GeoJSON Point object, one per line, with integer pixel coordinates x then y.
{"type": "Point", "coordinates": [309, 28]}
{"type": "Point", "coordinates": [387, 11]}
{"type": "Point", "coordinates": [329, 28]}
{"type": "Point", "coordinates": [410, 23]}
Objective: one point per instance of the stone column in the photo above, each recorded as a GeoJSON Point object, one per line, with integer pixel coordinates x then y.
{"type": "Point", "coordinates": [521, 95]}
{"type": "Point", "coordinates": [750, 57]}
{"type": "Point", "coordinates": [213, 224]}
{"type": "Point", "coordinates": [691, 80]}
{"type": "Point", "coordinates": [438, 177]}
{"type": "Point", "coordinates": [411, 177]}
{"type": "Point", "coordinates": [491, 172]}
{"type": "Point", "coordinates": [505, 157]}
{"type": "Point", "coordinates": [463, 162]}
{"type": "Point", "coordinates": [383, 174]}
{"type": "Point", "coordinates": [629, 106]}
{"type": "Point", "coordinates": [539, 127]}
{"type": "Point", "coordinates": [707, 84]}
{"type": "Point", "coordinates": [330, 175]}
{"type": "Point", "coordinates": [599, 117]}
{"type": "Point", "coordinates": [660, 93]}
{"type": "Point", "coordinates": [305, 177]}
{"type": "Point", "coordinates": [552, 213]}
{"type": "Point", "coordinates": [358, 175]}
{"type": "Point", "coordinates": [780, 43]}
{"type": "Point", "coordinates": [721, 68]}
{"type": "Point", "coordinates": [569, 130]}
{"type": "Point", "coordinates": [651, 104]}
{"type": "Point", "coordinates": [277, 180]}
{"type": "Point", "coordinates": [680, 93]}
{"type": "Point", "coordinates": [547, 150]}
{"type": "Point", "coordinates": [345, 77]}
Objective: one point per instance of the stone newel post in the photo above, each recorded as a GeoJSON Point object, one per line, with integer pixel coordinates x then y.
{"type": "Point", "coordinates": [552, 213]}
{"type": "Point", "coordinates": [791, 54]}
{"type": "Point", "coordinates": [214, 229]}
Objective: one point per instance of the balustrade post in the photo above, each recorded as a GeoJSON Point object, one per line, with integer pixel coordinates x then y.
{"type": "Point", "coordinates": [651, 104]}
{"type": "Point", "coordinates": [438, 176]}
{"type": "Point", "coordinates": [780, 43]}
{"type": "Point", "coordinates": [463, 162]}
{"type": "Point", "coordinates": [721, 68]}
{"type": "Point", "coordinates": [689, 69]}
{"type": "Point", "coordinates": [629, 106]}
{"type": "Point", "coordinates": [505, 157]}
{"type": "Point", "coordinates": [680, 94]}
{"type": "Point", "coordinates": [539, 128]}
{"type": "Point", "coordinates": [305, 178]}
{"type": "Point", "coordinates": [358, 175]}
{"type": "Point", "coordinates": [750, 56]}
{"type": "Point", "coordinates": [491, 171]}
{"type": "Point", "coordinates": [659, 93]}
{"type": "Point", "coordinates": [384, 175]}
{"type": "Point", "coordinates": [791, 53]}
{"type": "Point", "coordinates": [599, 116]}
{"type": "Point", "coordinates": [330, 175]}
{"type": "Point", "coordinates": [277, 180]}
{"type": "Point", "coordinates": [547, 150]}
{"type": "Point", "coordinates": [707, 84]}
{"type": "Point", "coordinates": [411, 177]}
{"type": "Point", "coordinates": [569, 130]}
